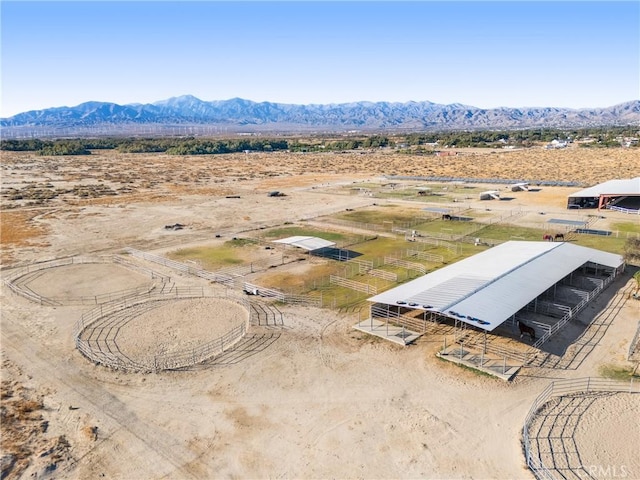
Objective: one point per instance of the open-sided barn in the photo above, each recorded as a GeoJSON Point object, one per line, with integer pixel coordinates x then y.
{"type": "Point", "coordinates": [493, 287]}
{"type": "Point", "coordinates": [615, 194]}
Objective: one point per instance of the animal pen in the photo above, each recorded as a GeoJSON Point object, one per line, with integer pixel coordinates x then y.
{"type": "Point", "coordinates": [503, 303]}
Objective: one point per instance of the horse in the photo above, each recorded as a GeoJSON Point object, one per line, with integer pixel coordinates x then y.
{"type": "Point", "coordinates": [559, 236]}
{"type": "Point", "coordinates": [547, 238]}
{"type": "Point", "coordinates": [526, 329]}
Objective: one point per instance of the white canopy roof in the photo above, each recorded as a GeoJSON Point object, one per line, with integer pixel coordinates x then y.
{"type": "Point", "coordinates": [308, 243]}
{"type": "Point", "coordinates": [629, 186]}
{"type": "Point", "coordinates": [487, 289]}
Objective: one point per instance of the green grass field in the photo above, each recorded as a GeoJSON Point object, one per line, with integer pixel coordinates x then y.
{"type": "Point", "coordinates": [232, 252]}
{"type": "Point", "coordinates": [315, 280]}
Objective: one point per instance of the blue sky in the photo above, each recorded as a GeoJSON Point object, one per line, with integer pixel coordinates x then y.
{"type": "Point", "coordinates": [486, 54]}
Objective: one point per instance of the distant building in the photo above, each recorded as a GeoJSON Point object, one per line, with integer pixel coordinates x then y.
{"type": "Point", "coordinates": [622, 195]}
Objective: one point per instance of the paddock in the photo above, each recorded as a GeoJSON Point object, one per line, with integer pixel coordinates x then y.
{"type": "Point", "coordinates": [162, 332]}
{"type": "Point", "coordinates": [484, 298]}
{"type": "Point", "coordinates": [84, 280]}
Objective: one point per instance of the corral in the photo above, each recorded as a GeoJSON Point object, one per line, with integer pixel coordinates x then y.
{"type": "Point", "coordinates": [301, 393]}
{"type": "Point", "coordinates": [536, 286]}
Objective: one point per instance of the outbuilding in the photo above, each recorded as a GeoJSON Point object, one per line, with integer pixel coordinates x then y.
{"type": "Point", "coordinates": [623, 195]}
{"type": "Point", "coordinates": [496, 286]}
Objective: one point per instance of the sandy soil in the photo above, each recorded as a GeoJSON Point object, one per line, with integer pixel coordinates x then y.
{"type": "Point", "coordinates": [614, 417]}
{"type": "Point", "coordinates": [589, 435]}
{"type": "Point", "coordinates": [160, 331]}
{"type": "Point", "coordinates": [85, 280]}
{"type": "Point", "coordinates": [311, 399]}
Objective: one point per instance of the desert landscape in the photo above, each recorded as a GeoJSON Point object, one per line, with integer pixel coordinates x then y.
{"type": "Point", "coordinates": [306, 397]}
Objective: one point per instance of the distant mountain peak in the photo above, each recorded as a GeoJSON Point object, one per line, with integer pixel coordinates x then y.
{"type": "Point", "coordinates": [246, 115]}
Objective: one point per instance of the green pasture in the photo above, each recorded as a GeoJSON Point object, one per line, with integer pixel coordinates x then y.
{"type": "Point", "coordinates": [626, 227]}
{"type": "Point", "coordinates": [600, 242]}
{"type": "Point", "coordinates": [381, 214]}
{"type": "Point", "coordinates": [510, 232]}
{"type": "Point", "coordinates": [315, 280]}
{"type": "Point", "coordinates": [295, 230]}
{"type": "Point", "coordinates": [449, 227]}
{"type": "Point", "coordinates": [231, 252]}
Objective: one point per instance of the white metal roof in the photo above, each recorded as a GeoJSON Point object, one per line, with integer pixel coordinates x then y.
{"type": "Point", "coordinates": [495, 284]}
{"type": "Point", "coordinates": [629, 186]}
{"type": "Point", "coordinates": [308, 243]}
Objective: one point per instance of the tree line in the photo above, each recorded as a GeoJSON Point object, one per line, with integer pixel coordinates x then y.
{"type": "Point", "coordinates": [414, 142]}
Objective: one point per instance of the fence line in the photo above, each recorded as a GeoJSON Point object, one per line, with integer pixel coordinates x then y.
{"type": "Point", "coordinates": [158, 362]}
{"type": "Point", "coordinates": [634, 343]}
{"type": "Point", "coordinates": [624, 210]}
{"type": "Point", "coordinates": [353, 285]}
{"type": "Point", "coordinates": [17, 278]}
{"type": "Point", "coordinates": [389, 276]}
{"type": "Point", "coordinates": [405, 264]}
{"type": "Point", "coordinates": [559, 388]}
{"type": "Point", "coordinates": [429, 257]}
{"type": "Point", "coordinates": [573, 312]}
{"type": "Point", "coordinates": [224, 278]}
{"type": "Point", "coordinates": [279, 295]}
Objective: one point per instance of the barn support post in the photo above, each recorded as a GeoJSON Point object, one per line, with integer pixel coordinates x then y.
{"type": "Point", "coordinates": [371, 315]}
{"type": "Point", "coordinates": [484, 348]}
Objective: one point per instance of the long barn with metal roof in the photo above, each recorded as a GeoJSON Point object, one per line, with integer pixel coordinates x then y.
{"type": "Point", "coordinates": [489, 288]}
{"type": "Point", "coordinates": [608, 195]}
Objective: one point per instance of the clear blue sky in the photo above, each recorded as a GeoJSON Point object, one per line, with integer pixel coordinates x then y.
{"type": "Point", "coordinates": [486, 54]}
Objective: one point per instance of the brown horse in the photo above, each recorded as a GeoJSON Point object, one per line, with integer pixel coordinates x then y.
{"type": "Point", "coordinates": [526, 329]}
{"type": "Point", "coordinates": [559, 236]}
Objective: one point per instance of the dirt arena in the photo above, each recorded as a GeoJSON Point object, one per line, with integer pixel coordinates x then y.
{"type": "Point", "coordinates": [311, 399]}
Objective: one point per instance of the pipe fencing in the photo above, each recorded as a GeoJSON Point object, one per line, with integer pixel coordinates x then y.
{"type": "Point", "coordinates": [158, 362]}
{"type": "Point", "coordinates": [560, 388]}
{"type": "Point", "coordinates": [555, 328]}
{"type": "Point", "coordinates": [633, 348]}
{"type": "Point", "coordinates": [16, 280]}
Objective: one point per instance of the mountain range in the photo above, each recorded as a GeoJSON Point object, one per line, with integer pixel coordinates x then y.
{"type": "Point", "coordinates": [240, 115]}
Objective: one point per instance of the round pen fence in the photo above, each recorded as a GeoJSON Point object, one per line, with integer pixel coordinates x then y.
{"type": "Point", "coordinates": [557, 389]}
{"type": "Point", "coordinates": [91, 333]}
{"type": "Point", "coordinates": [18, 280]}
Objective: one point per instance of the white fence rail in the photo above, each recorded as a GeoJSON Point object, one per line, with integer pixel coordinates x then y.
{"type": "Point", "coordinates": [280, 296]}
{"type": "Point", "coordinates": [181, 267]}
{"type": "Point", "coordinates": [157, 362]}
{"type": "Point", "coordinates": [390, 276]}
{"type": "Point", "coordinates": [630, 211]}
{"type": "Point", "coordinates": [560, 388]}
{"type": "Point", "coordinates": [572, 312]}
{"type": "Point", "coordinates": [16, 280]}
{"type": "Point", "coordinates": [429, 257]}
{"type": "Point", "coordinates": [405, 264]}
{"type": "Point", "coordinates": [353, 285]}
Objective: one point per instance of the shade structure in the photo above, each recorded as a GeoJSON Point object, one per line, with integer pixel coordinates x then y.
{"type": "Point", "coordinates": [487, 289]}
{"type": "Point", "coordinates": [306, 243]}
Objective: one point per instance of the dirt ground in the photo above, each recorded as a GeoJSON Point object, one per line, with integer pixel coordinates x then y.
{"type": "Point", "coordinates": [311, 399]}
